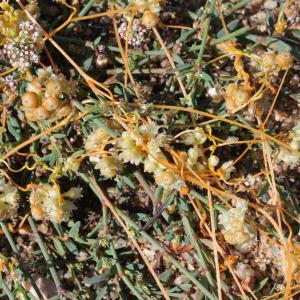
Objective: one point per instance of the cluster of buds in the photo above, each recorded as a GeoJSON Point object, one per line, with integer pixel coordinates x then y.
{"type": "Point", "coordinates": [8, 84]}
{"type": "Point", "coordinates": [8, 88]}
{"type": "Point", "coordinates": [154, 7]}
{"type": "Point", "coordinates": [109, 165]}
{"type": "Point", "coordinates": [21, 39]}
{"type": "Point", "coordinates": [195, 156]}
{"type": "Point", "coordinates": [9, 200]}
{"type": "Point", "coordinates": [46, 96]}
{"type": "Point", "coordinates": [286, 157]}
{"type": "Point", "coordinates": [235, 230]}
{"type": "Point", "coordinates": [236, 96]}
{"type": "Point", "coordinates": [143, 145]}
{"type": "Point", "coordinates": [138, 36]}
{"type": "Point", "coordinates": [281, 61]}
{"type": "Point", "coordinates": [21, 55]}
{"type": "Point", "coordinates": [48, 203]}
{"type": "Point", "coordinates": [196, 159]}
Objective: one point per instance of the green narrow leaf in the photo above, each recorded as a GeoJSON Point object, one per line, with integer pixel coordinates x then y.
{"type": "Point", "coordinates": [13, 127]}
{"type": "Point", "coordinates": [75, 229]}
{"type": "Point", "coordinates": [72, 247]}
{"type": "Point", "coordinates": [166, 275]}
{"type": "Point", "coordinates": [96, 279]}
{"type": "Point", "coordinates": [59, 247]}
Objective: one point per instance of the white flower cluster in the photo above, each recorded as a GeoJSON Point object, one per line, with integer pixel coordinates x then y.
{"type": "Point", "coordinates": [288, 158]}
{"type": "Point", "coordinates": [109, 165]}
{"type": "Point", "coordinates": [143, 145]}
{"type": "Point", "coordinates": [195, 157]}
{"type": "Point", "coordinates": [48, 203]}
{"type": "Point", "coordinates": [95, 139]}
{"type": "Point", "coordinates": [235, 230]}
{"type": "Point", "coordinates": [29, 32]}
{"type": "Point", "coordinates": [9, 200]}
{"type": "Point", "coordinates": [194, 154]}
{"type": "Point", "coordinates": [44, 75]}
{"type": "Point", "coordinates": [23, 50]}
{"type": "Point", "coordinates": [21, 55]}
{"type": "Point", "coordinates": [271, 253]}
{"type": "Point", "coordinates": [138, 35]}
{"type": "Point", "coordinates": [195, 137]}
{"type": "Point", "coordinates": [9, 83]}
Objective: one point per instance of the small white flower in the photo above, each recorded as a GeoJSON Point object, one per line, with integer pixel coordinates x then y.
{"type": "Point", "coordinates": [195, 137]}
{"type": "Point", "coordinates": [168, 180]}
{"type": "Point", "coordinates": [73, 193]}
{"type": "Point", "coordinates": [9, 200]}
{"type": "Point", "coordinates": [194, 154]}
{"type": "Point", "coordinates": [95, 139]}
{"type": "Point", "coordinates": [44, 74]}
{"type": "Point", "coordinates": [213, 160]}
{"type": "Point", "coordinates": [131, 151]}
{"type": "Point", "coordinates": [212, 92]}
{"type": "Point", "coordinates": [227, 168]}
{"type": "Point", "coordinates": [151, 163]}
{"type": "Point", "coordinates": [109, 165]}
{"type": "Point", "coordinates": [72, 163]}
{"type": "Point", "coordinates": [286, 157]}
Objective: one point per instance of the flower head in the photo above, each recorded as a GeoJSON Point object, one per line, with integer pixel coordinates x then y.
{"type": "Point", "coordinates": [195, 137]}
{"type": "Point", "coordinates": [21, 39]}
{"type": "Point", "coordinates": [131, 146]}
{"type": "Point", "coordinates": [138, 36]}
{"type": "Point", "coordinates": [9, 200]}
{"type": "Point", "coordinates": [109, 165]}
{"type": "Point", "coordinates": [48, 202]}
{"type": "Point", "coordinates": [95, 138]}
{"type": "Point", "coordinates": [168, 180]}
{"type": "Point", "coordinates": [235, 230]}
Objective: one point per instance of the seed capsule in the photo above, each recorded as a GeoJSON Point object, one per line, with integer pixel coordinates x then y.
{"type": "Point", "coordinates": [33, 9]}
{"type": "Point", "coordinates": [31, 115]}
{"type": "Point", "coordinates": [268, 61]}
{"type": "Point", "coordinates": [41, 113]}
{"type": "Point", "coordinates": [150, 19]}
{"type": "Point", "coordinates": [284, 60]}
{"type": "Point", "coordinates": [30, 100]}
{"type": "Point", "coordinates": [36, 83]}
{"type": "Point", "coordinates": [230, 89]}
{"type": "Point", "coordinates": [236, 96]}
{"type": "Point", "coordinates": [37, 212]}
{"type": "Point", "coordinates": [241, 96]}
{"type": "Point", "coordinates": [50, 103]}
{"type": "Point", "coordinates": [64, 110]}
{"type": "Point", "coordinates": [54, 87]}
{"type": "Point", "coordinates": [57, 215]}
